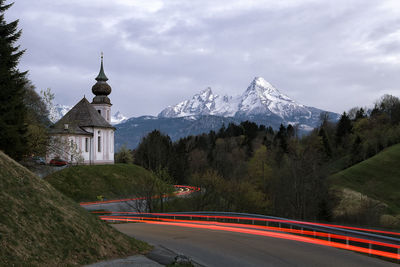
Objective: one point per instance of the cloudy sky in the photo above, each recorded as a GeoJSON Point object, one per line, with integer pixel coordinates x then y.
{"type": "Point", "coordinates": [332, 55]}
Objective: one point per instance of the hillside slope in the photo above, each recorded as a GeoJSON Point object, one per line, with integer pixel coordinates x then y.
{"type": "Point", "coordinates": [85, 183]}
{"type": "Point", "coordinates": [41, 227]}
{"type": "Point", "coordinates": [377, 177]}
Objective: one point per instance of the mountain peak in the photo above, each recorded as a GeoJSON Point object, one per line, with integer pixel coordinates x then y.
{"type": "Point", "coordinates": [263, 88]}
{"type": "Point", "coordinates": [260, 81]}
{"type": "Point", "coordinates": [260, 98]}
{"type": "Point", "coordinates": [206, 94]}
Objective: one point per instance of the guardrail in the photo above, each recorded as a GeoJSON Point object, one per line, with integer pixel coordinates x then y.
{"type": "Point", "coordinates": [370, 241]}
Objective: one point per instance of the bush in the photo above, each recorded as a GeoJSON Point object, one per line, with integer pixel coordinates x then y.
{"type": "Point", "coordinates": [124, 155]}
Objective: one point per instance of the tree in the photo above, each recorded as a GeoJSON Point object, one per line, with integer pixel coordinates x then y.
{"type": "Point", "coordinates": [343, 128]}
{"type": "Point", "coordinates": [37, 121]}
{"type": "Point", "coordinates": [154, 152]}
{"type": "Point", "coordinates": [389, 105]}
{"type": "Point", "coordinates": [124, 155]}
{"type": "Point", "coordinates": [12, 109]}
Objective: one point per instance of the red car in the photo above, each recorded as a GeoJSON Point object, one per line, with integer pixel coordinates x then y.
{"type": "Point", "coordinates": [58, 162]}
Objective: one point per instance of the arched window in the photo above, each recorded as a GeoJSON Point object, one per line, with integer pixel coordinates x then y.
{"type": "Point", "coordinates": [98, 142]}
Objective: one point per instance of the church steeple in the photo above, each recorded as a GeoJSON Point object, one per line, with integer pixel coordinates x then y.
{"type": "Point", "coordinates": [101, 89]}
{"type": "Point", "coordinates": [102, 76]}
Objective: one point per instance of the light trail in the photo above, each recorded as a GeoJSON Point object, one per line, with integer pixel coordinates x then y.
{"type": "Point", "coordinates": [269, 234]}
{"type": "Point", "coordinates": [190, 190]}
{"type": "Point", "coordinates": [241, 225]}
{"type": "Point", "coordinates": [259, 219]}
{"type": "Point", "coordinates": [261, 227]}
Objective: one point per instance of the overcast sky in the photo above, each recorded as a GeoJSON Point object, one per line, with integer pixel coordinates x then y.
{"type": "Point", "coordinates": [332, 55]}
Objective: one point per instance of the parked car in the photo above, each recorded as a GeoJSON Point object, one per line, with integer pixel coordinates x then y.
{"type": "Point", "coordinates": [39, 160]}
{"type": "Point", "coordinates": [58, 162]}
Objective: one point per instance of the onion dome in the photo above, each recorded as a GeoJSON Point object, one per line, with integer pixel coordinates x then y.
{"type": "Point", "coordinates": [101, 89]}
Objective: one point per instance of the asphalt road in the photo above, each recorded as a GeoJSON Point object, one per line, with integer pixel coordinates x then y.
{"type": "Point", "coordinates": [220, 248]}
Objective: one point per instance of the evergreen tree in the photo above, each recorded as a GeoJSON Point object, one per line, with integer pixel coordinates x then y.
{"type": "Point", "coordinates": [12, 109]}
{"type": "Point", "coordinates": [344, 127]}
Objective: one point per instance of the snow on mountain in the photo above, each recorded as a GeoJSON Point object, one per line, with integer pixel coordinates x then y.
{"type": "Point", "coordinates": [203, 103]}
{"type": "Point", "coordinates": [58, 111]}
{"type": "Point", "coordinates": [117, 118]}
{"type": "Point", "coordinates": [260, 98]}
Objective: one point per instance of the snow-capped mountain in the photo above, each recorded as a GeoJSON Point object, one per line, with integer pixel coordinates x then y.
{"type": "Point", "coordinates": [117, 118]}
{"type": "Point", "coordinates": [58, 111]}
{"type": "Point", "coordinates": [262, 98]}
{"type": "Point", "coordinates": [204, 103]}
{"type": "Point", "coordinates": [260, 102]}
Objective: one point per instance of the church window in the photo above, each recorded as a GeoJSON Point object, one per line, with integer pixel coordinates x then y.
{"type": "Point", "coordinates": [112, 143]}
{"type": "Point", "coordinates": [98, 142]}
{"type": "Point", "coordinates": [86, 144]}
{"type": "Point", "coordinates": [108, 115]}
{"type": "Point", "coordinates": [99, 111]}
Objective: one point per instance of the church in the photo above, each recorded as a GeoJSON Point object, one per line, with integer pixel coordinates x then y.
{"type": "Point", "coordinates": [84, 135]}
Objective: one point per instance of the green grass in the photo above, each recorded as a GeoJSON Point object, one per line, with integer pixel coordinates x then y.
{"type": "Point", "coordinates": [85, 183]}
{"type": "Point", "coordinates": [377, 177]}
{"type": "Point", "coordinates": [41, 227]}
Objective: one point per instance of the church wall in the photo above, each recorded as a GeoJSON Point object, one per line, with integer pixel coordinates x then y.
{"type": "Point", "coordinates": [106, 152]}
{"type": "Point", "coordinates": [105, 111]}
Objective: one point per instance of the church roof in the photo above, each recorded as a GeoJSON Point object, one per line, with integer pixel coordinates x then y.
{"type": "Point", "coordinates": [83, 114]}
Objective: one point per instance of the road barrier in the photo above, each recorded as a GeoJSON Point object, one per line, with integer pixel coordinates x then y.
{"type": "Point", "coordinates": [369, 241]}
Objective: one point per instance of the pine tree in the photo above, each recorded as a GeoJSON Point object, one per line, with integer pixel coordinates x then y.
{"type": "Point", "coordinates": [12, 81]}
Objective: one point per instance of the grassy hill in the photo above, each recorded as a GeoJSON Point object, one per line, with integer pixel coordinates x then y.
{"type": "Point", "coordinates": [85, 183]}
{"type": "Point", "coordinates": [377, 177]}
{"type": "Point", "coordinates": [41, 227]}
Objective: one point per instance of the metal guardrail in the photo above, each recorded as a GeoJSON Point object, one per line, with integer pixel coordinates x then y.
{"type": "Point", "coordinates": [368, 240]}
{"type": "Point", "coordinates": [307, 225]}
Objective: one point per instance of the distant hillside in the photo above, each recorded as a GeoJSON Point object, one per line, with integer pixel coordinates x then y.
{"type": "Point", "coordinates": [41, 227]}
{"type": "Point", "coordinates": [85, 183]}
{"type": "Point", "coordinates": [377, 177]}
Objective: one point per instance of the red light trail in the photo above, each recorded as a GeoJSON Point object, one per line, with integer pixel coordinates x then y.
{"type": "Point", "coordinates": [231, 228]}
{"type": "Point", "coordinates": [241, 225]}
{"type": "Point", "coordinates": [190, 189]}
{"type": "Point", "coordinates": [257, 219]}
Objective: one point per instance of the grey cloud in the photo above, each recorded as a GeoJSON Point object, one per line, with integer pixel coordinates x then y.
{"type": "Point", "coordinates": [314, 51]}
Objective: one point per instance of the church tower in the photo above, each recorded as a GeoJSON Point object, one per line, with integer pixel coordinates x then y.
{"type": "Point", "coordinates": [101, 90]}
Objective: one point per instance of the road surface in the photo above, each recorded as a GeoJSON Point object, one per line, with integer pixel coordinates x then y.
{"type": "Point", "coordinates": [220, 248]}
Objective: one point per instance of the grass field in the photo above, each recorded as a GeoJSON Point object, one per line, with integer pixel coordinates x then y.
{"type": "Point", "coordinates": [41, 227]}
{"type": "Point", "coordinates": [377, 178]}
{"type": "Point", "coordinates": [85, 183]}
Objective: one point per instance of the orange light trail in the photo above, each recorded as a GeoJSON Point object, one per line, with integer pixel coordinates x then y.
{"type": "Point", "coordinates": [258, 219]}
{"type": "Point", "coordinates": [269, 234]}
{"type": "Point", "coordinates": [191, 190]}
{"type": "Point", "coordinates": [261, 227]}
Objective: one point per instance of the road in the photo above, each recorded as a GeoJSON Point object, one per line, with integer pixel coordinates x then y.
{"type": "Point", "coordinates": [220, 248]}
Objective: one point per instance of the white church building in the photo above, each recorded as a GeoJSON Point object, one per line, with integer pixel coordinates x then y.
{"type": "Point", "coordinates": [84, 135]}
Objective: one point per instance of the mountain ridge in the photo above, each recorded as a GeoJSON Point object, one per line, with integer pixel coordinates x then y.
{"type": "Point", "coordinates": [260, 98]}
